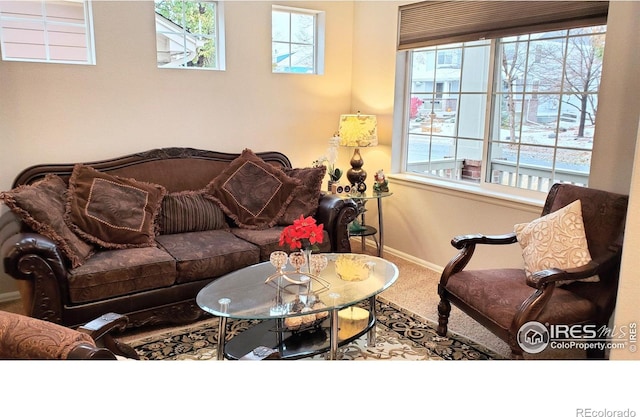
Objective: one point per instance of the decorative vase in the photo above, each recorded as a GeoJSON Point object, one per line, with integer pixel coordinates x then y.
{"type": "Point", "coordinates": [306, 251]}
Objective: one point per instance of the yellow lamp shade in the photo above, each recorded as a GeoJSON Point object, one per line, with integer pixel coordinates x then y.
{"type": "Point", "coordinates": [358, 130]}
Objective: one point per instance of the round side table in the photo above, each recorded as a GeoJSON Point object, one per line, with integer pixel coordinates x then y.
{"type": "Point", "coordinates": [362, 229]}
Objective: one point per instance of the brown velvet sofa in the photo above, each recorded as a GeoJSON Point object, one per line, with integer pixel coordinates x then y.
{"type": "Point", "coordinates": [73, 276]}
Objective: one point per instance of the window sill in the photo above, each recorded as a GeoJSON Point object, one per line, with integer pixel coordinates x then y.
{"type": "Point", "coordinates": [470, 191]}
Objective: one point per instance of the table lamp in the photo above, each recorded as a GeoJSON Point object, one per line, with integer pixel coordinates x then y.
{"type": "Point", "coordinates": [359, 131]}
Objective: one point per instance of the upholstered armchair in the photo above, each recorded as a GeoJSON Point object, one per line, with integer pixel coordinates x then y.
{"type": "Point", "coordinates": [23, 337]}
{"type": "Point", "coordinates": [505, 299]}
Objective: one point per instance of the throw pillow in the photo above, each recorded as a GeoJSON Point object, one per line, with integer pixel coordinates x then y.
{"type": "Point", "coordinates": [253, 193]}
{"type": "Point", "coordinates": [41, 206]}
{"type": "Point", "coordinates": [111, 211]}
{"type": "Point", "coordinates": [190, 211]}
{"type": "Point", "coordinates": [557, 240]}
{"type": "Point", "coordinates": [305, 202]}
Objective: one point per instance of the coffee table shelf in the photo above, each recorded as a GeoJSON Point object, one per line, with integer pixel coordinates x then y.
{"type": "Point", "coordinates": [290, 345]}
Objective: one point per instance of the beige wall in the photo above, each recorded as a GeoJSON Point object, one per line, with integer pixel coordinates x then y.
{"type": "Point", "coordinates": [626, 65]}
{"type": "Point", "coordinates": [56, 113]}
{"type": "Point", "coordinates": [619, 101]}
{"type": "Point", "coordinates": [629, 290]}
{"type": "Point", "coordinates": [52, 113]}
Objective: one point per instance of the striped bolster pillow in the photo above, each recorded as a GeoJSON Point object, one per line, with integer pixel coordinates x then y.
{"type": "Point", "coordinates": [189, 211]}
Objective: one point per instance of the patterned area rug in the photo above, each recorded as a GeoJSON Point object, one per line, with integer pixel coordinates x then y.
{"type": "Point", "coordinates": [400, 335]}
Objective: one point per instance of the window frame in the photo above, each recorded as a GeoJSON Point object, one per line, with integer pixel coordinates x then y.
{"type": "Point", "coordinates": [400, 146]}
{"type": "Point", "coordinates": [87, 25]}
{"type": "Point", "coordinates": [319, 20]}
{"type": "Point", "coordinates": [218, 38]}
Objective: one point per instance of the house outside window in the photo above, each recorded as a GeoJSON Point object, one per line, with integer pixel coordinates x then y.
{"type": "Point", "coordinates": [47, 31]}
{"type": "Point", "coordinates": [189, 34]}
{"type": "Point", "coordinates": [516, 111]}
{"type": "Point", "coordinates": [297, 40]}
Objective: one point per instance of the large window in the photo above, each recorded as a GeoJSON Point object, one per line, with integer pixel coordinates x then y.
{"type": "Point", "coordinates": [513, 111]}
{"type": "Point", "coordinates": [189, 34]}
{"type": "Point", "coordinates": [297, 40]}
{"type": "Point", "coordinates": [47, 31]}
{"type": "Point", "coordinates": [517, 111]}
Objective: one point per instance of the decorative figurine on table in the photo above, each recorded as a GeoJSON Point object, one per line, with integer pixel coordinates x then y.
{"type": "Point", "coordinates": [381, 184]}
{"type": "Point", "coordinates": [361, 187]}
{"type": "Point", "coordinates": [330, 161]}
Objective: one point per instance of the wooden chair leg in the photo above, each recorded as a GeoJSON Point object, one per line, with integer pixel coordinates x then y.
{"type": "Point", "coordinates": [119, 348]}
{"type": "Point", "coordinates": [444, 309]}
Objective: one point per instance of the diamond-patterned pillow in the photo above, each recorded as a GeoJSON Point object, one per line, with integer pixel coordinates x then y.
{"type": "Point", "coordinates": [111, 211]}
{"type": "Point", "coordinates": [253, 193]}
{"type": "Point", "coordinates": [557, 240]}
{"type": "Point", "coordinates": [306, 200]}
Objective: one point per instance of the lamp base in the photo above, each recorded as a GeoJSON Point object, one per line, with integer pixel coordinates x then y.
{"type": "Point", "coordinates": [356, 174]}
{"type": "Point", "coordinates": [356, 177]}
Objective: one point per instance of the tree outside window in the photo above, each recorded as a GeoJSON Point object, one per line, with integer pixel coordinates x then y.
{"type": "Point", "coordinates": [187, 34]}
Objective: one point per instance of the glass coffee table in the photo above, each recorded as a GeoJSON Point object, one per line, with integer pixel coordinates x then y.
{"type": "Point", "coordinates": [301, 314]}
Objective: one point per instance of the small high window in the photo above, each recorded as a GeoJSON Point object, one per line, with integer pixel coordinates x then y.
{"type": "Point", "coordinates": [297, 40]}
{"type": "Point", "coordinates": [189, 34]}
{"type": "Point", "coordinates": [47, 31]}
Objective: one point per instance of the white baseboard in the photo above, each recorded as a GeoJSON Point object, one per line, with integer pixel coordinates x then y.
{"type": "Point", "coordinates": [399, 254]}
{"type": "Point", "coordinates": [9, 296]}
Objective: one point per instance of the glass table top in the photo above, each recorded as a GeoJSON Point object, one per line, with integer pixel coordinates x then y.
{"type": "Point", "coordinates": [252, 292]}
{"type": "Point", "coordinates": [365, 196]}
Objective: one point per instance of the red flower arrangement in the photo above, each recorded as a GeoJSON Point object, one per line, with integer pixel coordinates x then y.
{"type": "Point", "coordinates": [303, 233]}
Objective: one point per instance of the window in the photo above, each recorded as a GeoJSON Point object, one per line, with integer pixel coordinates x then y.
{"type": "Point", "coordinates": [297, 40]}
{"type": "Point", "coordinates": [189, 34]}
{"type": "Point", "coordinates": [47, 31]}
{"type": "Point", "coordinates": [514, 111]}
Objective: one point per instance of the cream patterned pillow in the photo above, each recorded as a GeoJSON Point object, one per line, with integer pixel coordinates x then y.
{"type": "Point", "coordinates": [556, 240]}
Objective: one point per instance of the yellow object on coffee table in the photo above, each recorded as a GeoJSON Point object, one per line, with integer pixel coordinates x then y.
{"type": "Point", "coordinates": [351, 321]}
{"type": "Point", "coordinates": [352, 268]}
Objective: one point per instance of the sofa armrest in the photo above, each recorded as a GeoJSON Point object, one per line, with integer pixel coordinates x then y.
{"type": "Point", "coordinates": [38, 264]}
{"type": "Point", "coordinates": [23, 337]}
{"type": "Point", "coordinates": [335, 214]}
{"type": "Point", "coordinates": [101, 330]}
